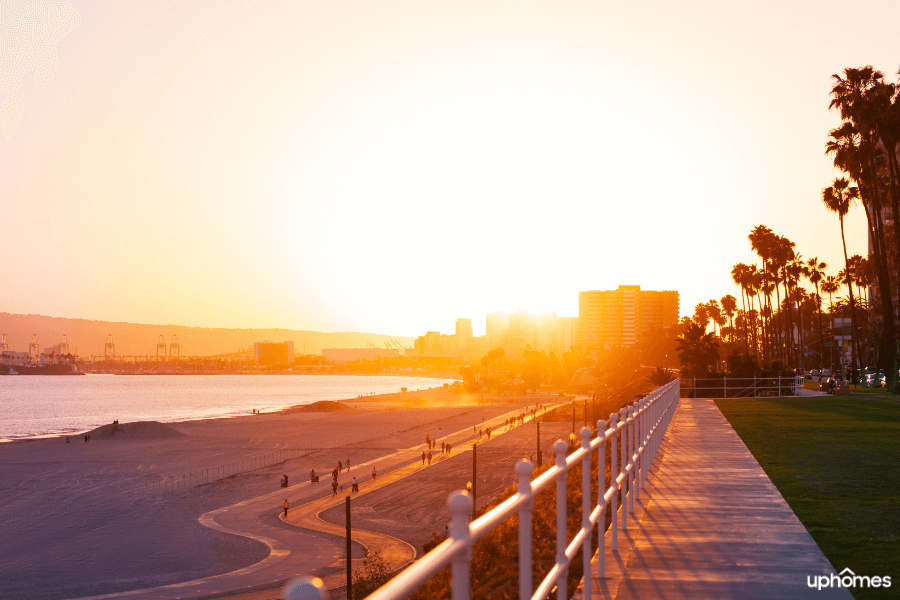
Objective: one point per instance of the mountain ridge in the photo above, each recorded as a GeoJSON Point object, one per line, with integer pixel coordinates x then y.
{"type": "Point", "coordinates": [139, 339]}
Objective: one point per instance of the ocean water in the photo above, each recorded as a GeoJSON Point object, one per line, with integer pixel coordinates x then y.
{"type": "Point", "coordinates": [36, 406]}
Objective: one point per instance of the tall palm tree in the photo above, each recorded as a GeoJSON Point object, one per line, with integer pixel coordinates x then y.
{"type": "Point", "coordinates": [837, 198]}
{"type": "Point", "coordinates": [862, 98]}
{"type": "Point", "coordinates": [816, 271]}
{"type": "Point", "coordinates": [763, 242]}
{"type": "Point", "coordinates": [729, 306]}
{"type": "Point", "coordinates": [740, 275]}
{"type": "Point", "coordinates": [831, 286]}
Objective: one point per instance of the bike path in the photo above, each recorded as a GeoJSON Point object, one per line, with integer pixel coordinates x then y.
{"type": "Point", "coordinates": [305, 550]}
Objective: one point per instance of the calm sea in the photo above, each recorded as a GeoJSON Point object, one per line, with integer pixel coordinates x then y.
{"type": "Point", "coordinates": [35, 406]}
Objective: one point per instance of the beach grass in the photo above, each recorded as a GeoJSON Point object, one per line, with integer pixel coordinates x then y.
{"type": "Point", "coordinates": [835, 461]}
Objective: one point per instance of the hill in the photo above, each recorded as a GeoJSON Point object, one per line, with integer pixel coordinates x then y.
{"type": "Point", "coordinates": [89, 337]}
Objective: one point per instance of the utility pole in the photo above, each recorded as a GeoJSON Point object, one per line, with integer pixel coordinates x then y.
{"type": "Point", "coordinates": [474, 480]}
{"type": "Point", "coordinates": [349, 561]}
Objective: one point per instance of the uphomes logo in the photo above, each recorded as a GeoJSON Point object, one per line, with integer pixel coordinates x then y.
{"type": "Point", "coordinates": [847, 579]}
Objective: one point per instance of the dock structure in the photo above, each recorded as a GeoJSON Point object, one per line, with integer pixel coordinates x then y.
{"type": "Point", "coordinates": [710, 524]}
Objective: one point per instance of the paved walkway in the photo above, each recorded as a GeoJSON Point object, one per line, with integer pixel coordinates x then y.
{"type": "Point", "coordinates": [711, 525]}
{"type": "Point", "coordinates": [304, 550]}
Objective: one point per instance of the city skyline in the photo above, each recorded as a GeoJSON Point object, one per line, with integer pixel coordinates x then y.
{"type": "Point", "coordinates": [389, 166]}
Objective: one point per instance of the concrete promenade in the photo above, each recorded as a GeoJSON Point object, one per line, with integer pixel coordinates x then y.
{"type": "Point", "coordinates": [710, 524]}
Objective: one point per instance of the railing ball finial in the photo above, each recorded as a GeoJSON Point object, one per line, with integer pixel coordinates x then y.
{"type": "Point", "coordinates": [524, 470]}
{"type": "Point", "coordinates": [560, 448]}
{"type": "Point", "coordinates": [586, 437]}
{"type": "Point", "coordinates": [460, 505]}
{"type": "Point", "coordinates": [601, 427]}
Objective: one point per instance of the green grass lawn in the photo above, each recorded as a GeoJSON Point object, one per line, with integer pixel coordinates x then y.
{"type": "Point", "coordinates": [836, 460]}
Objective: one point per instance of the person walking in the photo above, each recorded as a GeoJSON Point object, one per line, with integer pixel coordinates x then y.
{"type": "Point", "coordinates": [334, 474]}
{"type": "Point", "coordinates": [449, 447]}
{"type": "Point", "coordinates": [286, 507]}
{"type": "Point", "coordinates": [355, 485]}
{"type": "Point", "coordinates": [334, 488]}
{"type": "Point", "coordinates": [340, 467]}
{"type": "Point", "coordinates": [374, 473]}
{"type": "Point", "coordinates": [443, 445]}
{"type": "Point", "coordinates": [348, 465]}
{"type": "Point", "coordinates": [423, 458]}
{"type": "Point", "coordinates": [429, 458]}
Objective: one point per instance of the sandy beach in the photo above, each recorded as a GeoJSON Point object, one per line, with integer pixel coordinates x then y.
{"type": "Point", "coordinates": [82, 518]}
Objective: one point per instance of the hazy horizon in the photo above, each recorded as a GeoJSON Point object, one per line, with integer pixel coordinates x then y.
{"type": "Point", "coordinates": [392, 166]}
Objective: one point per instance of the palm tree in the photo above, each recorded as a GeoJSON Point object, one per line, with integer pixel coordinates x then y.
{"type": "Point", "coordinates": [729, 306]}
{"type": "Point", "coordinates": [816, 271]}
{"type": "Point", "coordinates": [863, 100]}
{"type": "Point", "coordinates": [830, 286]}
{"type": "Point", "coordinates": [763, 242]}
{"type": "Point", "coordinates": [715, 314]}
{"type": "Point", "coordinates": [698, 351]}
{"type": "Point", "coordinates": [838, 198]}
{"type": "Point", "coordinates": [740, 275]}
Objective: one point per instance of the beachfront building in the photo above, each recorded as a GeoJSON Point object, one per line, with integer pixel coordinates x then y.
{"type": "Point", "coordinates": [496, 326]}
{"type": "Point", "coordinates": [273, 353]}
{"type": "Point", "coordinates": [619, 317]}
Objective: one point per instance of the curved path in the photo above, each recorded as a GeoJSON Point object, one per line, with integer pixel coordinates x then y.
{"type": "Point", "coordinates": [303, 549]}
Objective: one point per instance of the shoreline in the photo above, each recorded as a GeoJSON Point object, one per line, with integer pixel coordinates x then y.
{"type": "Point", "coordinates": [113, 498]}
{"type": "Point", "coordinates": [230, 415]}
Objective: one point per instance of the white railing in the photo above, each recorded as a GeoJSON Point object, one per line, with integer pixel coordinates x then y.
{"type": "Point", "coordinates": [639, 429]}
{"type": "Point", "coordinates": [742, 387]}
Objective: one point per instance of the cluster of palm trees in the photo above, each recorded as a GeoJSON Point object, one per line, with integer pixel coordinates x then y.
{"type": "Point", "coordinates": [864, 147]}
{"type": "Point", "coordinates": [780, 320]}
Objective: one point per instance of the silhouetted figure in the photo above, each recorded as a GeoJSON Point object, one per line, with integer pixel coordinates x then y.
{"type": "Point", "coordinates": [312, 477]}
{"type": "Point", "coordinates": [429, 458]}
{"type": "Point", "coordinates": [374, 473]}
{"type": "Point", "coordinates": [423, 458]}
{"type": "Point", "coordinates": [334, 488]}
{"type": "Point", "coordinates": [286, 506]}
{"type": "Point", "coordinates": [355, 486]}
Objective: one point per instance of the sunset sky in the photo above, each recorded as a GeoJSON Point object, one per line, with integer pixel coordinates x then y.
{"type": "Point", "coordinates": [389, 166]}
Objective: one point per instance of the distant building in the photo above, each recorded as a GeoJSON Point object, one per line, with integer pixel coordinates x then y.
{"type": "Point", "coordinates": [618, 317]}
{"type": "Point", "coordinates": [568, 335]}
{"type": "Point", "coordinates": [340, 356]}
{"type": "Point", "coordinates": [273, 353]}
{"type": "Point", "coordinates": [496, 326]}
{"type": "Point", "coordinates": [545, 332]}
{"type": "Point", "coordinates": [520, 335]}
{"type": "Point", "coordinates": [463, 334]}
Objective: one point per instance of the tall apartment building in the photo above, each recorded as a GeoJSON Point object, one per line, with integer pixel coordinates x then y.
{"type": "Point", "coordinates": [619, 317]}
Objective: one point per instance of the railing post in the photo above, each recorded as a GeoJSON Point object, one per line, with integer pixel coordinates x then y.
{"type": "Point", "coordinates": [601, 491]}
{"type": "Point", "coordinates": [638, 446]}
{"type": "Point", "coordinates": [524, 470]}
{"type": "Point", "coordinates": [460, 505]}
{"type": "Point", "coordinates": [613, 480]}
{"type": "Point", "coordinates": [623, 423]}
{"type": "Point", "coordinates": [586, 509]}
{"type": "Point", "coordinates": [560, 448]}
{"type": "Point", "coordinates": [632, 456]}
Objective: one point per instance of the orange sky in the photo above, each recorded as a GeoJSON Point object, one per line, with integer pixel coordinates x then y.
{"type": "Point", "coordinates": [390, 166]}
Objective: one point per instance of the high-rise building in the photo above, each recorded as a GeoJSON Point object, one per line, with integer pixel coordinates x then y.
{"type": "Point", "coordinates": [618, 317]}
{"type": "Point", "coordinates": [463, 333]}
{"type": "Point", "coordinates": [496, 326]}
{"type": "Point", "coordinates": [568, 335]}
